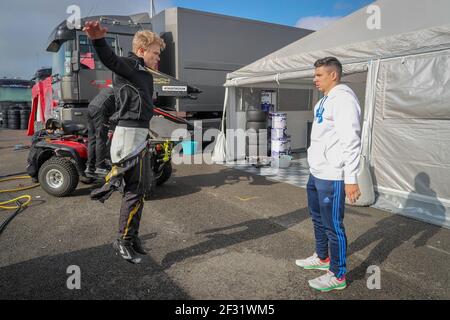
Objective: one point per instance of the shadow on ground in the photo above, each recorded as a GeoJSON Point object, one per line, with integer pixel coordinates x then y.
{"type": "Point", "coordinates": [254, 229]}
{"type": "Point", "coordinates": [191, 184]}
{"type": "Point", "coordinates": [103, 276]}
{"type": "Point", "coordinates": [392, 232]}
{"type": "Point", "coordinates": [186, 185]}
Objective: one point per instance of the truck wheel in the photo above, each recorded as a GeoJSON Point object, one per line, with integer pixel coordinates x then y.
{"type": "Point", "coordinates": [58, 177]}
{"type": "Point", "coordinates": [165, 174]}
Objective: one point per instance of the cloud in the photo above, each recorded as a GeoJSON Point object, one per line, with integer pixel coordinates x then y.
{"type": "Point", "coordinates": [315, 22]}
{"type": "Point", "coordinates": [26, 26]}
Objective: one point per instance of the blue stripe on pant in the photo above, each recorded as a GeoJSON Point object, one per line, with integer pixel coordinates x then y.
{"type": "Point", "coordinates": [326, 203]}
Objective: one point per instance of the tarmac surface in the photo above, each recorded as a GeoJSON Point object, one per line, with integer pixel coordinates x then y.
{"type": "Point", "coordinates": [212, 232]}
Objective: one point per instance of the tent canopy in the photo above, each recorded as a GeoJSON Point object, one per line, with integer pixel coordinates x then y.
{"type": "Point", "coordinates": [407, 27]}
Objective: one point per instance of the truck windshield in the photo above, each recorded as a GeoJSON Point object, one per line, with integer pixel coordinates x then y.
{"type": "Point", "coordinates": [62, 60]}
{"type": "Point", "coordinates": [88, 56]}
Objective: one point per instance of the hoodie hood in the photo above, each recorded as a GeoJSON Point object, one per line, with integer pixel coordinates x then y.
{"type": "Point", "coordinates": [339, 89]}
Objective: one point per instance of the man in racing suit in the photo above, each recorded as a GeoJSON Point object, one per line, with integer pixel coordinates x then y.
{"type": "Point", "coordinates": [133, 91]}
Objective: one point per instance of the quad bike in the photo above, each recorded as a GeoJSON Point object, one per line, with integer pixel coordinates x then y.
{"type": "Point", "coordinates": [58, 158]}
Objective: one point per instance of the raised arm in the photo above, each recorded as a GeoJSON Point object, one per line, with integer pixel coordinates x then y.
{"type": "Point", "coordinates": [97, 34]}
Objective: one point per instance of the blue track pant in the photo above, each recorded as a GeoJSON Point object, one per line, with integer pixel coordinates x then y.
{"type": "Point", "coordinates": [326, 204]}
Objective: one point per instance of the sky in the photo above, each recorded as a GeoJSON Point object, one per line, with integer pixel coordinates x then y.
{"type": "Point", "coordinates": [26, 24]}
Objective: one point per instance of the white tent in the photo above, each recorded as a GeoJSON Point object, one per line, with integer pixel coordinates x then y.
{"type": "Point", "coordinates": [401, 72]}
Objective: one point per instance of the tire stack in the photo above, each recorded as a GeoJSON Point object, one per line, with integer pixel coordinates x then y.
{"type": "Point", "coordinates": [24, 115]}
{"type": "Point", "coordinates": [4, 116]}
{"type": "Point", "coordinates": [14, 118]}
{"type": "Point", "coordinates": [256, 133]}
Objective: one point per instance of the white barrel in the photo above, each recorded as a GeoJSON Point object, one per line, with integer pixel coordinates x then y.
{"type": "Point", "coordinates": [278, 134]}
{"type": "Point", "coordinates": [279, 120]}
{"type": "Point", "coordinates": [279, 147]}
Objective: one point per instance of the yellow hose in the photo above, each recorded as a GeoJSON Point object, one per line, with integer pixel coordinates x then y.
{"type": "Point", "coordinates": [28, 197]}
{"type": "Point", "coordinates": [15, 200]}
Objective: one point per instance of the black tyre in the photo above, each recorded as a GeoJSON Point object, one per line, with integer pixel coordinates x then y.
{"type": "Point", "coordinates": [13, 113]}
{"type": "Point", "coordinates": [24, 125]}
{"type": "Point", "coordinates": [256, 125]}
{"type": "Point", "coordinates": [256, 116]}
{"type": "Point", "coordinates": [58, 177]}
{"type": "Point", "coordinates": [165, 174]}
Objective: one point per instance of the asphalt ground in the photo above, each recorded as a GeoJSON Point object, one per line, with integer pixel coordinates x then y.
{"type": "Point", "coordinates": [212, 233]}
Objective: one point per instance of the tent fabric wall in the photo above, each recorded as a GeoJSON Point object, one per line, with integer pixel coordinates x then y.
{"type": "Point", "coordinates": [411, 146]}
{"type": "Point", "coordinates": [418, 87]}
{"type": "Point", "coordinates": [419, 144]}
{"type": "Point", "coordinates": [235, 125]}
{"type": "Point", "coordinates": [219, 154]}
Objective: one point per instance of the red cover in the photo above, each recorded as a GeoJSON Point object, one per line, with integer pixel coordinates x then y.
{"type": "Point", "coordinates": [80, 148]}
{"type": "Point", "coordinates": [42, 103]}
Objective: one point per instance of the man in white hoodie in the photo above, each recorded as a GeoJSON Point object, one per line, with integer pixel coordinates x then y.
{"type": "Point", "coordinates": [333, 159]}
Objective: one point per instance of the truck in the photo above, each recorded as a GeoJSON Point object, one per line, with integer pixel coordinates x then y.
{"type": "Point", "coordinates": [201, 48]}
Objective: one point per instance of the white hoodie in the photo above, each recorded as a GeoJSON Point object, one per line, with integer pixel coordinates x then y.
{"type": "Point", "coordinates": [335, 137]}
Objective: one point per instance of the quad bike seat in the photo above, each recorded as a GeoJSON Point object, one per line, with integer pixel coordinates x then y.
{"type": "Point", "coordinates": [68, 127]}
{"type": "Point", "coordinates": [71, 127]}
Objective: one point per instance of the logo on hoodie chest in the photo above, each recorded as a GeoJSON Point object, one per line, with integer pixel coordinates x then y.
{"type": "Point", "coordinates": [321, 110]}
{"type": "Point", "coordinates": [319, 115]}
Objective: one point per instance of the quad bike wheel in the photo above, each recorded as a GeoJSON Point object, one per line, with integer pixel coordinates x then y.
{"type": "Point", "coordinates": [58, 176]}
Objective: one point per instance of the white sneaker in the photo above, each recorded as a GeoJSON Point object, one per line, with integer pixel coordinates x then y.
{"type": "Point", "coordinates": [313, 263]}
{"type": "Point", "coordinates": [327, 283]}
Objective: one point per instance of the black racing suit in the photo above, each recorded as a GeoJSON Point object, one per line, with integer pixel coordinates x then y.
{"type": "Point", "coordinates": [133, 90]}
{"type": "Point", "coordinates": [133, 86]}
{"type": "Point", "coordinates": [101, 108]}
